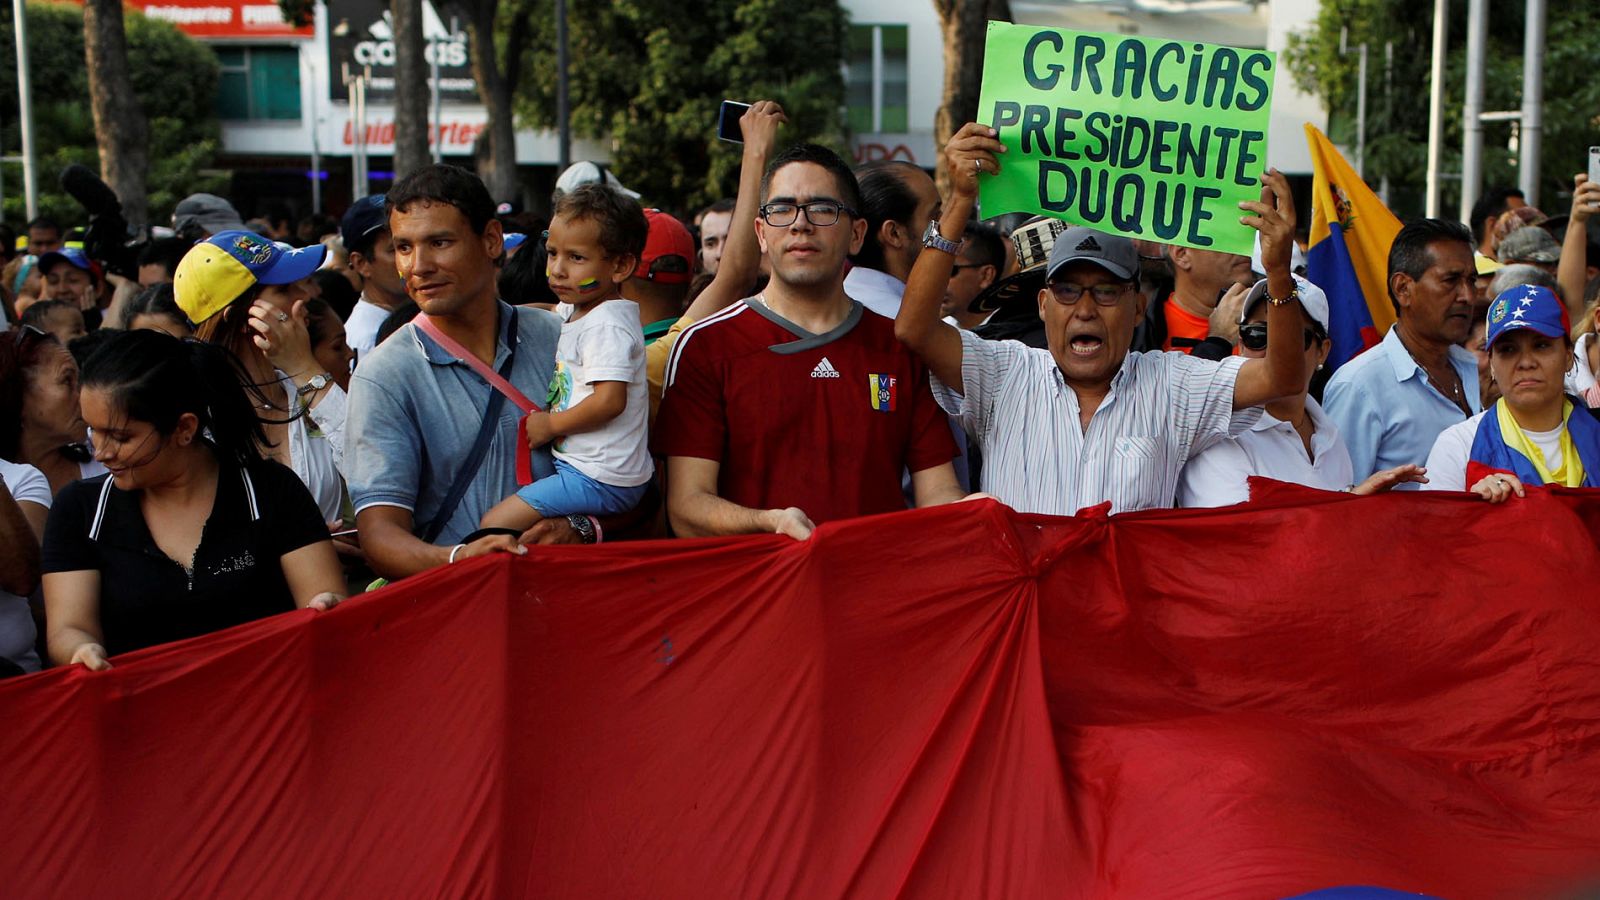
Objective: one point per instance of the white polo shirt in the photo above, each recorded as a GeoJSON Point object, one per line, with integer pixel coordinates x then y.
{"type": "Point", "coordinates": [1271, 449]}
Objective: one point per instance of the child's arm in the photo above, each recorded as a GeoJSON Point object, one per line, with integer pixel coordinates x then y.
{"type": "Point", "coordinates": [607, 402]}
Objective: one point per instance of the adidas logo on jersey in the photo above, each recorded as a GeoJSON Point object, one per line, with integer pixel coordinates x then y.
{"type": "Point", "coordinates": [824, 369]}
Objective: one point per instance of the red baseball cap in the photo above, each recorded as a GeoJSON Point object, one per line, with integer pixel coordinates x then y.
{"type": "Point", "coordinates": [668, 250]}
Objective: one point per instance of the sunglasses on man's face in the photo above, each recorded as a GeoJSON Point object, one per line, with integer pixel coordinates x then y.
{"type": "Point", "coordinates": [1254, 336]}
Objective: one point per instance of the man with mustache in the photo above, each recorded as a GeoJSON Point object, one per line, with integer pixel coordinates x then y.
{"type": "Point", "coordinates": [1391, 402]}
{"type": "Point", "coordinates": [1086, 421]}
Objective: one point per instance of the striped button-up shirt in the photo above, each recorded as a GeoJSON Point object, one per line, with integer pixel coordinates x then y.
{"type": "Point", "coordinates": [1162, 409]}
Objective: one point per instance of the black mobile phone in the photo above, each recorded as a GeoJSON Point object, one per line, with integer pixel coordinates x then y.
{"type": "Point", "coordinates": [728, 121]}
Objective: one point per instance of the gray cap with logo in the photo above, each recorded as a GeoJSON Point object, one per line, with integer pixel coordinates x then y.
{"type": "Point", "coordinates": [1112, 252]}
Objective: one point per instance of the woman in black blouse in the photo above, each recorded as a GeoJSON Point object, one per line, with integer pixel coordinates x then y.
{"type": "Point", "coordinates": [192, 531]}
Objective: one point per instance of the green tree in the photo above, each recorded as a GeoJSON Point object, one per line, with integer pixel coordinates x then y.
{"type": "Point", "coordinates": [1397, 116]}
{"type": "Point", "coordinates": [174, 77]}
{"type": "Point", "coordinates": [651, 74]}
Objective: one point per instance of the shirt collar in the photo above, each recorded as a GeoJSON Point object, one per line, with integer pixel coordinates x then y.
{"type": "Point", "coordinates": [875, 281]}
{"type": "Point", "coordinates": [440, 357]}
{"type": "Point", "coordinates": [1400, 358]}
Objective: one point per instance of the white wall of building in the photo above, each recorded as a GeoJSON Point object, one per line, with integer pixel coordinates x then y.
{"type": "Point", "coordinates": [325, 124]}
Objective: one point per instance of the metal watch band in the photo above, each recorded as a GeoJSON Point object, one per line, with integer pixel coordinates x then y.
{"type": "Point", "coordinates": [936, 241]}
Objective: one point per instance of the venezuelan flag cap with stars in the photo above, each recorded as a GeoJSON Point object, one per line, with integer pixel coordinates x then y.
{"type": "Point", "coordinates": [1527, 306]}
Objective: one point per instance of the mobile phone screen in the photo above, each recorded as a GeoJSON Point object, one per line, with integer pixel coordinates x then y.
{"type": "Point", "coordinates": [1594, 166]}
{"type": "Point", "coordinates": [728, 121]}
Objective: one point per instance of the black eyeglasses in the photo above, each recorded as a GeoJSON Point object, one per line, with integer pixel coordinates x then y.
{"type": "Point", "coordinates": [1254, 336]}
{"type": "Point", "coordinates": [958, 268]}
{"type": "Point", "coordinates": [820, 213]}
{"type": "Point", "coordinates": [1068, 294]}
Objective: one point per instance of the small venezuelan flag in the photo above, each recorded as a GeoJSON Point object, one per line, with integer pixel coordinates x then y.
{"type": "Point", "coordinates": [1351, 231]}
{"type": "Point", "coordinates": [882, 388]}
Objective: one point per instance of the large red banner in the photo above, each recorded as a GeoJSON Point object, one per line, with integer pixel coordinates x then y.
{"type": "Point", "coordinates": [962, 702]}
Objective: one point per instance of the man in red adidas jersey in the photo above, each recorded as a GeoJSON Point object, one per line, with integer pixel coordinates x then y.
{"type": "Point", "coordinates": [795, 407]}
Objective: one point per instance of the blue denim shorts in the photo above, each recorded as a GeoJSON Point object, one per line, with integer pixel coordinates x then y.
{"type": "Point", "coordinates": [570, 492]}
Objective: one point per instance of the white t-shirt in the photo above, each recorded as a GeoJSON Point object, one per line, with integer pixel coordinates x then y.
{"type": "Point", "coordinates": [361, 329]}
{"type": "Point", "coordinates": [607, 344]}
{"type": "Point", "coordinates": [17, 633]}
{"type": "Point", "coordinates": [1447, 463]}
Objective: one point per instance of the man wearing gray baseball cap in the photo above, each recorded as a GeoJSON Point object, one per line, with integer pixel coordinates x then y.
{"type": "Point", "coordinates": [1087, 422]}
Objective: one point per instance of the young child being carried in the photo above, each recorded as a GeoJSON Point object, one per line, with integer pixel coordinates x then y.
{"type": "Point", "coordinates": [598, 398]}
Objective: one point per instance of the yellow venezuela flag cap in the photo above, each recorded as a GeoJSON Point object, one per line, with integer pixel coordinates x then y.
{"type": "Point", "coordinates": [217, 270]}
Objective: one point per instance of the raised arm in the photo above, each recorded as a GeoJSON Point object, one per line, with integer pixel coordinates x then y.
{"type": "Point", "coordinates": [1280, 373]}
{"type": "Point", "coordinates": [971, 150]}
{"type": "Point", "coordinates": [741, 255]}
{"type": "Point", "coordinates": [1571, 272]}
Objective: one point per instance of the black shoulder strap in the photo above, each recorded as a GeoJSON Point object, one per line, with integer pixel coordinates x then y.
{"type": "Point", "coordinates": [480, 446]}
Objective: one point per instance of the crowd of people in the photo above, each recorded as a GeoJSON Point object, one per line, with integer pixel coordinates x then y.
{"type": "Point", "coordinates": [248, 421]}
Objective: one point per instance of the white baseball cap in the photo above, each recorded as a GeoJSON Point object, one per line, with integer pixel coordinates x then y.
{"type": "Point", "coordinates": [1312, 299]}
{"type": "Point", "coordinates": [586, 172]}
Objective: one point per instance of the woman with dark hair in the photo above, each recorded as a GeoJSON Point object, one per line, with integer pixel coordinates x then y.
{"type": "Point", "coordinates": [247, 294]}
{"type": "Point", "coordinates": [39, 420]}
{"type": "Point", "coordinates": [155, 307]}
{"type": "Point", "coordinates": [192, 531]}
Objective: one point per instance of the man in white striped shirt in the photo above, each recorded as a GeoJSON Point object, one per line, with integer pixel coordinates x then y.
{"type": "Point", "coordinates": [1086, 422]}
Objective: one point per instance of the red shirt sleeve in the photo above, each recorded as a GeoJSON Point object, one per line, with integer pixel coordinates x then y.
{"type": "Point", "coordinates": [693, 419]}
{"type": "Point", "coordinates": [931, 441]}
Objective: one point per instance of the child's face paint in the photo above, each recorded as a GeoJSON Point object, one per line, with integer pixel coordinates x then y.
{"type": "Point", "coordinates": [576, 266]}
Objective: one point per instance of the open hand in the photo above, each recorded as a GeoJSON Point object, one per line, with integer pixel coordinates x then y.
{"type": "Point", "coordinates": [1388, 479]}
{"type": "Point", "coordinates": [282, 336]}
{"type": "Point", "coordinates": [1274, 218]}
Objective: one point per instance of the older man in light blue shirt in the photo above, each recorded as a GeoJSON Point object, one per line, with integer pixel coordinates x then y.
{"type": "Point", "coordinates": [1391, 402]}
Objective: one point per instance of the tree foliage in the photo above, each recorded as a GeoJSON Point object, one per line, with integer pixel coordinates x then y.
{"type": "Point", "coordinates": [1397, 117]}
{"type": "Point", "coordinates": [174, 76]}
{"type": "Point", "coordinates": [651, 74]}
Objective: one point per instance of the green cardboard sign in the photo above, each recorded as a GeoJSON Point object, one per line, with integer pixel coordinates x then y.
{"type": "Point", "coordinates": [1151, 139]}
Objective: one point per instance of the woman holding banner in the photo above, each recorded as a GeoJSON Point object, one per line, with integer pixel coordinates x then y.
{"type": "Point", "coordinates": [1530, 436]}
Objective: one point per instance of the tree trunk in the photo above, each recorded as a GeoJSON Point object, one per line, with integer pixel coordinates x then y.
{"type": "Point", "coordinates": [411, 89]}
{"type": "Point", "coordinates": [497, 148]}
{"type": "Point", "coordinates": [964, 24]}
{"type": "Point", "coordinates": [121, 131]}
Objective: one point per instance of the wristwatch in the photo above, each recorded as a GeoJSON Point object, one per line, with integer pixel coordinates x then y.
{"type": "Point", "coordinates": [584, 529]}
{"type": "Point", "coordinates": [317, 383]}
{"type": "Point", "coordinates": [936, 241]}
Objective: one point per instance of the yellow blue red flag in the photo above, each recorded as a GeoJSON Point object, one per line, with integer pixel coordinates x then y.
{"type": "Point", "coordinates": [1348, 257]}
{"type": "Point", "coordinates": [882, 390]}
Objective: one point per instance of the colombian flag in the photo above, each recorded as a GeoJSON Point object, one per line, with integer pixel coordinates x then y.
{"type": "Point", "coordinates": [1351, 231]}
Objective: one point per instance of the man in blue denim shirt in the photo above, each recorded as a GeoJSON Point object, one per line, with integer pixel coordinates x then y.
{"type": "Point", "coordinates": [415, 409]}
{"type": "Point", "coordinates": [1391, 402]}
